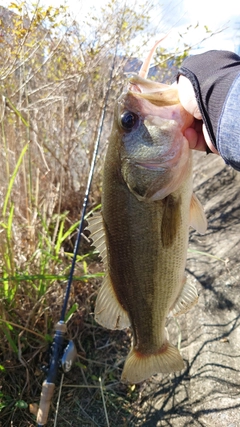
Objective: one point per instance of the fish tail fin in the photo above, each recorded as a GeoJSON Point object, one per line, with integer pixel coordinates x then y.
{"type": "Point", "coordinates": [138, 367]}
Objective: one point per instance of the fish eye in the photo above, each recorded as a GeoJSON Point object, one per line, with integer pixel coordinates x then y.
{"type": "Point", "coordinates": [129, 120]}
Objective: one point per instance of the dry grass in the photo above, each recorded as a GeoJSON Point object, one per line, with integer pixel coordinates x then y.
{"type": "Point", "coordinates": [100, 356]}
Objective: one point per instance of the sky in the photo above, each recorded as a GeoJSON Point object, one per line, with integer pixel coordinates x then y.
{"type": "Point", "coordinates": [216, 15]}
{"type": "Point", "coordinates": [175, 16]}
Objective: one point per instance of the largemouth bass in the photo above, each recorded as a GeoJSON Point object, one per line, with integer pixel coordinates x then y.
{"type": "Point", "coordinates": [143, 229]}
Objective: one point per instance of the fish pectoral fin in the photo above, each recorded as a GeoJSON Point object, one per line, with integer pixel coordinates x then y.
{"type": "Point", "coordinates": [138, 367]}
{"type": "Point", "coordinates": [96, 228]}
{"type": "Point", "coordinates": [186, 300]}
{"type": "Point", "coordinates": [197, 216]}
{"type": "Point", "coordinates": [108, 311]}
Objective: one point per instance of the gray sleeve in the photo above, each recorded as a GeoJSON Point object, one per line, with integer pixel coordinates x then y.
{"type": "Point", "coordinates": [212, 74]}
{"type": "Point", "coordinates": [228, 130]}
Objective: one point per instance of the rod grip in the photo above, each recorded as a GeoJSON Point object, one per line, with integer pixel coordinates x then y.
{"type": "Point", "coordinates": [45, 401]}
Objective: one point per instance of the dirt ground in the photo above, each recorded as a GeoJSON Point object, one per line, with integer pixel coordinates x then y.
{"type": "Point", "coordinates": [207, 393]}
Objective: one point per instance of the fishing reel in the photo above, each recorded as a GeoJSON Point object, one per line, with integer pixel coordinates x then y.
{"type": "Point", "coordinates": [62, 355]}
{"type": "Point", "coordinates": [61, 350]}
{"type": "Point", "coordinates": [68, 357]}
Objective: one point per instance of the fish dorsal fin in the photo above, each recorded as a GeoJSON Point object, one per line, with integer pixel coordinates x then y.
{"type": "Point", "coordinates": [108, 311]}
{"type": "Point", "coordinates": [197, 216]}
{"type": "Point", "coordinates": [96, 228]}
{"type": "Point", "coordinates": [186, 300]}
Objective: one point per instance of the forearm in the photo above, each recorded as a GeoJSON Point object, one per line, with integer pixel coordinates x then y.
{"type": "Point", "coordinates": [209, 88]}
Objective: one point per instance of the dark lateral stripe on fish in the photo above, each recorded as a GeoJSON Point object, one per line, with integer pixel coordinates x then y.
{"type": "Point", "coordinates": [170, 220]}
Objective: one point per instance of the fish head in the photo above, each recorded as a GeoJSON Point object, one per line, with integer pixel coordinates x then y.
{"type": "Point", "coordinates": [154, 153]}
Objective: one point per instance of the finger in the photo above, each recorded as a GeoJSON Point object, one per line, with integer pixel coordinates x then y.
{"type": "Point", "coordinates": [187, 97]}
{"type": "Point", "coordinates": [195, 139]}
{"type": "Point", "coordinates": [208, 140]}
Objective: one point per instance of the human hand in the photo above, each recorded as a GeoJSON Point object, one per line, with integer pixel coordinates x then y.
{"type": "Point", "coordinates": [197, 134]}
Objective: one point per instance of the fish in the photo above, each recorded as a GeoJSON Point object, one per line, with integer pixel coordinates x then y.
{"type": "Point", "coordinates": [142, 231]}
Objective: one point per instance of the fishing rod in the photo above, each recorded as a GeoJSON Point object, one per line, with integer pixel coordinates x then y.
{"type": "Point", "coordinates": [63, 352]}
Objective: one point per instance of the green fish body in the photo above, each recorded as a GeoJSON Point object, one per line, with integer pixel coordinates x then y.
{"type": "Point", "coordinates": [143, 230]}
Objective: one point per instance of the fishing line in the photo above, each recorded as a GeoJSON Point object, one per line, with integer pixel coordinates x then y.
{"type": "Point", "coordinates": [58, 400]}
{"type": "Point", "coordinates": [62, 355]}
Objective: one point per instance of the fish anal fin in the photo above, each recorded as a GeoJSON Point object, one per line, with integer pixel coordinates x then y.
{"type": "Point", "coordinates": [108, 311]}
{"type": "Point", "coordinates": [186, 300]}
{"type": "Point", "coordinates": [197, 216]}
{"type": "Point", "coordinates": [138, 367]}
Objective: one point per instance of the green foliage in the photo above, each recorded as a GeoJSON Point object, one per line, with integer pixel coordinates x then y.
{"type": "Point", "coordinates": [5, 400]}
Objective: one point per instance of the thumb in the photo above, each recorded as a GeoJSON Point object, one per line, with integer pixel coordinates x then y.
{"type": "Point", "coordinates": [208, 140]}
{"type": "Point", "coordinates": [187, 97]}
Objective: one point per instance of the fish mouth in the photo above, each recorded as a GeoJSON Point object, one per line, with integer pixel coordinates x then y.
{"type": "Point", "coordinates": [159, 164]}
{"type": "Point", "coordinates": [156, 93]}
{"type": "Point", "coordinates": [151, 165]}
{"type": "Point", "coordinates": [147, 96]}
{"type": "Point", "coordinates": [140, 85]}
